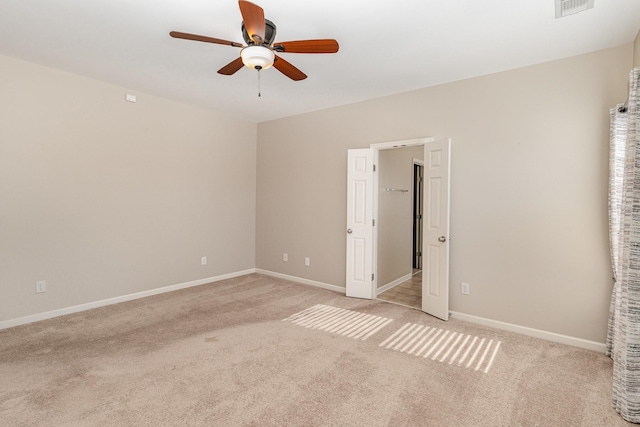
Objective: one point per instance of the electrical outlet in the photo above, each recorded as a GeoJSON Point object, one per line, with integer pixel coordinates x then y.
{"type": "Point", "coordinates": [464, 288]}
{"type": "Point", "coordinates": [285, 257]}
{"type": "Point", "coordinates": [307, 261]}
{"type": "Point", "coordinates": [203, 260]}
{"type": "Point", "coordinates": [41, 286]}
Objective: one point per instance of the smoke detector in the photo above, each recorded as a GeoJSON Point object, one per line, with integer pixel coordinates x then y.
{"type": "Point", "coordinates": [569, 7]}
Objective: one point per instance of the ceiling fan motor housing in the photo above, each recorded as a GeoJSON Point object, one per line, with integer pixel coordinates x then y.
{"type": "Point", "coordinates": [269, 34]}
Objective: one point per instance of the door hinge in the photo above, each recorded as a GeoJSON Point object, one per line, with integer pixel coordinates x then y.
{"type": "Point", "coordinates": [372, 276]}
{"type": "Point", "coordinates": [374, 168]}
{"type": "Point", "coordinates": [374, 222]}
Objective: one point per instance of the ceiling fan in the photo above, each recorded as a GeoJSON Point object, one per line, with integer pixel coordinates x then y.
{"type": "Point", "coordinates": [260, 51]}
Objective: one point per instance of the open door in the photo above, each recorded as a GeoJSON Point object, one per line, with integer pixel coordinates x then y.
{"type": "Point", "coordinates": [359, 231]}
{"type": "Point", "coordinates": [361, 200]}
{"type": "Point", "coordinates": [435, 275]}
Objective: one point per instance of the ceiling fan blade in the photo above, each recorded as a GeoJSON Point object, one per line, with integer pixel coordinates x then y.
{"type": "Point", "coordinates": [288, 70]}
{"type": "Point", "coordinates": [253, 17]}
{"type": "Point", "coordinates": [307, 46]}
{"type": "Point", "coordinates": [231, 67]}
{"type": "Point", "coordinates": [187, 36]}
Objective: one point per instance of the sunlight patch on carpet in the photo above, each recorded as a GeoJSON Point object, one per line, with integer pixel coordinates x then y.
{"type": "Point", "coordinates": [348, 323]}
{"type": "Point", "coordinates": [467, 351]}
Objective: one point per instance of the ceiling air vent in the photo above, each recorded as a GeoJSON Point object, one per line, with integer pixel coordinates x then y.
{"type": "Point", "coordinates": [569, 7]}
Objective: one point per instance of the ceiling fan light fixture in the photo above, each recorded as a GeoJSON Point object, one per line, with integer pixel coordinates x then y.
{"type": "Point", "coordinates": [257, 57]}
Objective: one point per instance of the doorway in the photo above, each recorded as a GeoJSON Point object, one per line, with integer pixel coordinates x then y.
{"type": "Point", "coordinates": [363, 234]}
{"type": "Point", "coordinates": [399, 226]}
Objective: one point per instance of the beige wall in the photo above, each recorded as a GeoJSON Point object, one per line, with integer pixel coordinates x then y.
{"type": "Point", "coordinates": [395, 213]}
{"type": "Point", "coordinates": [529, 187]}
{"type": "Point", "coordinates": [104, 198]}
{"type": "Point", "coordinates": [636, 51]}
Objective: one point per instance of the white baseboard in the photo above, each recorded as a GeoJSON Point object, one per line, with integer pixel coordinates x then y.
{"type": "Point", "coordinates": [115, 300]}
{"type": "Point", "coordinates": [394, 283]}
{"type": "Point", "coordinates": [536, 333]}
{"type": "Point", "coordinates": [523, 330]}
{"type": "Point", "coordinates": [549, 336]}
{"type": "Point", "coordinates": [300, 280]}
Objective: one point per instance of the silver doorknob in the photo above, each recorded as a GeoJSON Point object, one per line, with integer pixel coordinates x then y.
{"type": "Point", "coordinates": [442, 239]}
{"type": "Point", "coordinates": [349, 231]}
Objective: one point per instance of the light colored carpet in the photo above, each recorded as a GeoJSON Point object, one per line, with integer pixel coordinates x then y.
{"type": "Point", "coordinates": [229, 353]}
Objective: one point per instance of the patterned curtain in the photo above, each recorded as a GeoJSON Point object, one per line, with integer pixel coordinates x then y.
{"type": "Point", "coordinates": [623, 338]}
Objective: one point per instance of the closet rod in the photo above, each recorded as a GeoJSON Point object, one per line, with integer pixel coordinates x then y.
{"type": "Point", "coordinates": [395, 189]}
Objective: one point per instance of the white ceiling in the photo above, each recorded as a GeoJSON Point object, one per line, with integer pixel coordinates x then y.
{"type": "Point", "coordinates": [386, 46]}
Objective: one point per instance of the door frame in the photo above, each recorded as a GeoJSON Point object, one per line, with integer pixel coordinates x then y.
{"type": "Point", "coordinates": [376, 161]}
{"type": "Point", "coordinates": [420, 163]}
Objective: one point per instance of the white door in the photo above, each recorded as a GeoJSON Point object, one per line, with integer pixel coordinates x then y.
{"type": "Point", "coordinates": [360, 223]}
{"type": "Point", "coordinates": [435, 251]}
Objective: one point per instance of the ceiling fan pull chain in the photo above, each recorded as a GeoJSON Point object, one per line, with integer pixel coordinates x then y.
{"type": "Point", "coordinates": [259, 94]}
